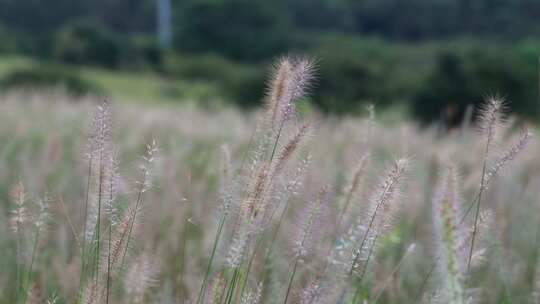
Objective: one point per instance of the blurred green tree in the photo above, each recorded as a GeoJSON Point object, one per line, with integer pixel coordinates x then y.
{"type": "Point", "coordinates": [87, 42]}
{"type": "Point", "coordinates": [459, 81]}
{"type": "Point", "coordinates": [239, 29]}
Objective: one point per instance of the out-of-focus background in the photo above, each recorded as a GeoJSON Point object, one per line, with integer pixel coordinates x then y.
{"type": "Point", "coordinates": [426, 58]}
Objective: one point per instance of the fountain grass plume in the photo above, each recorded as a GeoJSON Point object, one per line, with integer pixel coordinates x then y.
{"type": "Point", "coordinates": [379, 212]}
{"type": "Point", "coordinates": [139, 278]}
{"type": "Point", "coordinates": [491, 120]}
{"type": "Point", "coordinates": [306, 233]}
{"type": "Point", "coordinates": [450, 237]}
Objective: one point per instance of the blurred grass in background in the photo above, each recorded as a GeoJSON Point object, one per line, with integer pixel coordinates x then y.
{"type": "Point", "coordinates": [426, 78]}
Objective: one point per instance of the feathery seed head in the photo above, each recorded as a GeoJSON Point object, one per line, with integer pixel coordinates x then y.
{"type": "Point", "coordinates": [304, 72]}
{"type": "Point", "coordinates": [215, 290]}
{"type": "Point", "coordinates": [491, 116]}
{"type": "Point", "coordinates": [359, 242]}
{"type": "Point", "coordinates": [52, 299]}
{"type": "Point", "coordinates": [302, 78]}
{"type": "Point", "coordinates": [310, 294]}
{"type": "Point", "coordinates": [99, 154]}
{"type": "Point", "coordinates": [148, 159]}
{"type": "Point", "coordinates": [292, 79]}
{"type": "Point", "coordinates": [295, 182]}
{"type": "Point", "coordinates": [356, 176]}
{"type": "Point", "coordinates": [253, 204]}
{"type": "Point", "coordinates": [18, 194]}
{"type": "Point", "coordinates": [111, 181]}
{"type": "Point", "coordinates": [389, 191]}
{"type": "Point", "coordinates": [309, 224]}
{"type": "Point", "coordinates": [238, 248]}
{"type": "Point", "coordinates": [279, 86]}
{"type": "Point", "coordinates": [121, 234]}
{"type": "Point", "coordinates": [450, 236]}
{"type": "Point", "coordinates": [42, 218]}
{"type": "Point", "coordinates": [139, 278]}
{"type": "Point", "coordinates": [100, 131]}
{"type": "Point", "coordinates": [289, 149]}
{"type": "Point", "coordinates": [253, 297]}
{"type": "Point", "coordinates": [524, 139]}
{"type": "Point", "coordinates": [19, 214]}
{"type": "Point", "coordinates": [93, 293]}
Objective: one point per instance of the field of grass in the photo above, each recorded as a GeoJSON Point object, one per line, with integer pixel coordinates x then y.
{"type": "Point", "coordinates": [154, 203]}
{"type": "Point", "coordinates": [138, 86]}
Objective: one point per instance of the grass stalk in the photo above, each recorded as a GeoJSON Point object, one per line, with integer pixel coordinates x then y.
{"type": "Point", "coordinates": [428, 275]}
{"type": "Point", "coordinates": [32, 259]}
{"type": "Point", "coordinates": [291, 278]}
{"type": "Point", "coordinates": [18, 264]}
{"type": "Point", "coordinates": [275, 233]}
{"type": "Point", "coordinates": [131, 224]}
{"type": "Point", "coordinates": [98, 223]}
{"type": "Point", "coordinates": [250, 263]}
{"type": "Point", "coordinates": [232, 286]}
{"type": "Point", "coordinates": [356, 296]}
{"type": "Point", "coordinates": [276, 142]}
{"type": "Point", "coordinates": [392, 274]}
{"type": "Point", "coordinates": [364, 268]}
{"type": "Point", "coordinates": [182, 256]}
{"type": "Point", "coordinates": [109, 242]}
{"type": "Point", "coordinates": [202, 290]}
{"type": "Point", "coordinates": [85, 219]}
{"type": "Point", "coordinates": [297, 258]}
{"type": "Point", "coordinates": [477, 213]}
{"type": "Point", "coordinates": [370, 227]}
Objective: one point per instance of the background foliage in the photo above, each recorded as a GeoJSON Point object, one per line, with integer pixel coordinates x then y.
{"type": "Point", "coordinates": [390, 52]}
